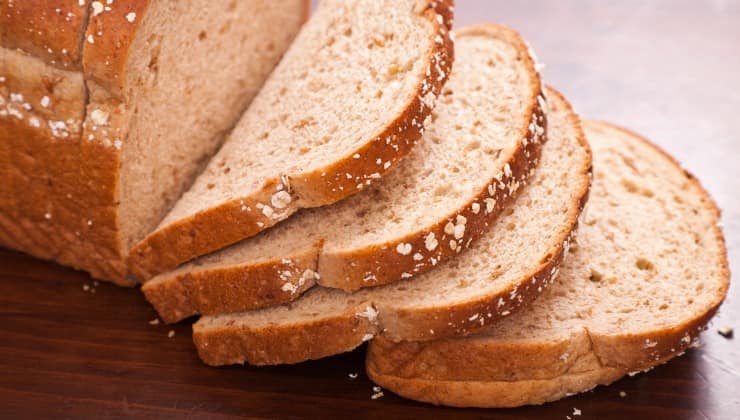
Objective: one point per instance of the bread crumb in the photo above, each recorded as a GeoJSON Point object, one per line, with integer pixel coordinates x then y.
{"type": "Point", "coordinates": [370, 313]}
{"type": "Point", "coordinates": [267, 211]}
{"type": "Point", "coordinates": [377, 393]}
{"type": "Point", "coordinates": [576, 412]}
{"type": "Point", "coordinates": [622, 394]}
{"type": "Point", "coordinates": [86, 287]}
{"type": "Point", "coordinates": [403, 248]}
{"type": "Point", "coordinates": [725, 331]}
{"type": "Point", "coordinates": [155, 321]}
{"type": "Point", "coordinates": [131, 17]}
{"type": "Point", "coordinates": [171, 334]}
{"type": "Point", "coordinates": [280, 200]}
{"type": "Point", "coordinates": [430, 242]}
{"type": "Point", "coordinates": [290, 288]}
{"type": "Point", "coordinates": [352, 375]}
{"type": "Point", "coordinates": [650, 344]}
{"type": "Point", "coordinates": [97, 8]}
{"type": "Point", "coordinates": [99, 117]}
{"type": "Point", "coordinates": [490, 203]}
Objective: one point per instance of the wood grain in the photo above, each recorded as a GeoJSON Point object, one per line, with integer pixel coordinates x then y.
{"type": "Point", "coordinates": [668, 69]}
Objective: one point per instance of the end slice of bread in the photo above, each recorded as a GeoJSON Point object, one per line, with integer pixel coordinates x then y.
{"type": "Point", "coordinates": [647, 272]}
{"type": "Point", "coordinates": [506, 268]}
{"type": "Point", "coordinates": [475, 156]}
{"type": "Point", "coordinates": [355, 87]}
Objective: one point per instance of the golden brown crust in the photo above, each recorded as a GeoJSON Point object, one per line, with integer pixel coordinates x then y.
{"type": "Point", "coordinates": [486, 372]}
{"type": "Point", "coordinates": [48, 29]}
{"type": "Point", "coordinates": [191, 290]}
{"type": "Point", "coordinates": [494, 394]}
{"type": "Point", "coordinates": [476, 372]}
{"type": "Point", "coordinates": [54, 214]}
{"type": "Point", "coordinates": [44, 208]}
{"type": "Point", "coordinates": [284, 344]}
{"type": "Point", "coordinates": [397, 324]}
{"type": "Point", "coordinates": [224, 224]}
{"type": "Point", "coordinates": [108, 40]}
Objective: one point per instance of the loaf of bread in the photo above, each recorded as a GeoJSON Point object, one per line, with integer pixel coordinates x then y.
{"type": "Point", "coordinates": [108, 110]}
{"type": "Point", "coordinates": [423, 212]}
{"type": "Point", "coordinates": [646, 273]}
{"type": "Point", "coordinates": [347, 102]}
{"type": "Point", "coordinates": [505, 269]}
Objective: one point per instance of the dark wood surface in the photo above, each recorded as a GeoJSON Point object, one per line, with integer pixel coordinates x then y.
{"type": "Point", "coordinates": [668, 69]}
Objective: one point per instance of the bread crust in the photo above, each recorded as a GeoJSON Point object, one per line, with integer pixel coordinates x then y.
{"type": "Point", "coordinates": [108, 39]}
{"type": "Point", "coordinates": [323, 337]}
{"type": "Point", "coordinates": [192, 290]}
{"type": "Point", "coordinates": [48, 29]}
{"type": "Point", "coordinates": [352, 269]}
{"type": "Point", "coordinates": [79, 221]}
{"type": "Point", "coordinates": [394, 323]}
{"type": "Point", "coordinates": [224, 224]}
{"type": "Point", "coordinates": [481, 372]}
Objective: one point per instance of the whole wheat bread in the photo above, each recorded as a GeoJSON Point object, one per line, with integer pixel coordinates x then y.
{"type": "Point", "coordinates": [429, 208]}
{"type": "Point", "coordinates": [506, 268]}
{"type": "Point", "coordinates": [647, 272]}
{"type": "Point", "coordinates": [109, 109]}
{"type": "Point", "coordinates": [353, 90]}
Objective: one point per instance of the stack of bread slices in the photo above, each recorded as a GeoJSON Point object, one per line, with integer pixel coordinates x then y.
{"type": "Point", "coordinates": [392, 181]}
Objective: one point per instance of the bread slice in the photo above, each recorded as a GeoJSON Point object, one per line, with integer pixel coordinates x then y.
{"type": "Point", "coordinates": [648, 271]}
{"type": "Point", "coordinates": [443, 197]}
{"type": "Point", "coordinates": [506, 268]}
{"type": "Point", "coordinates": [109, 109]}
{"type": "Point", "coordinates": [354, 89]}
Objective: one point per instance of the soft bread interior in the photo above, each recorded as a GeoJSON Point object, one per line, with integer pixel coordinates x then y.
{"type": "Point", "coordinates": [340, 84]}
{"type": "Point", "coordinates": [195, 67]}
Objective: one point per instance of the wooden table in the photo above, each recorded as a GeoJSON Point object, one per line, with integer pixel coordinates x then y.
{"type": "Point", "coordinates": [668, 69]}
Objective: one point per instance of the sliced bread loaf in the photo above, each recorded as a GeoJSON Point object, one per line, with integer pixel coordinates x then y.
{"type": "Point", "coordinates": [109, 109]}
{"type": "Point", "coordinates": [353, 90]}
{"type": "Point", "coordinates": [647, 272]}
{"type": "Point", "coordinates": [506, 268]}
{"type": "Point", "coordinates": [476, 153]}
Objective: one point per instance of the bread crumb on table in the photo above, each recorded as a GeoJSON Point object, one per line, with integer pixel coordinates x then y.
{"type": "Point", "coordinates": [725, 331]}
{"type": "Point", "coordinates": [622, 394]}
{"type": "Point", "coordinates": [576, 412]}
{"type": "Point", "coordinates": [155, 321]}
{"type": "Point", "coordinates": [352, 375]}
{"type": "Point", "coordinates": [171, 334]}
{"type": "Point", "coordinates": [377, 393]}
